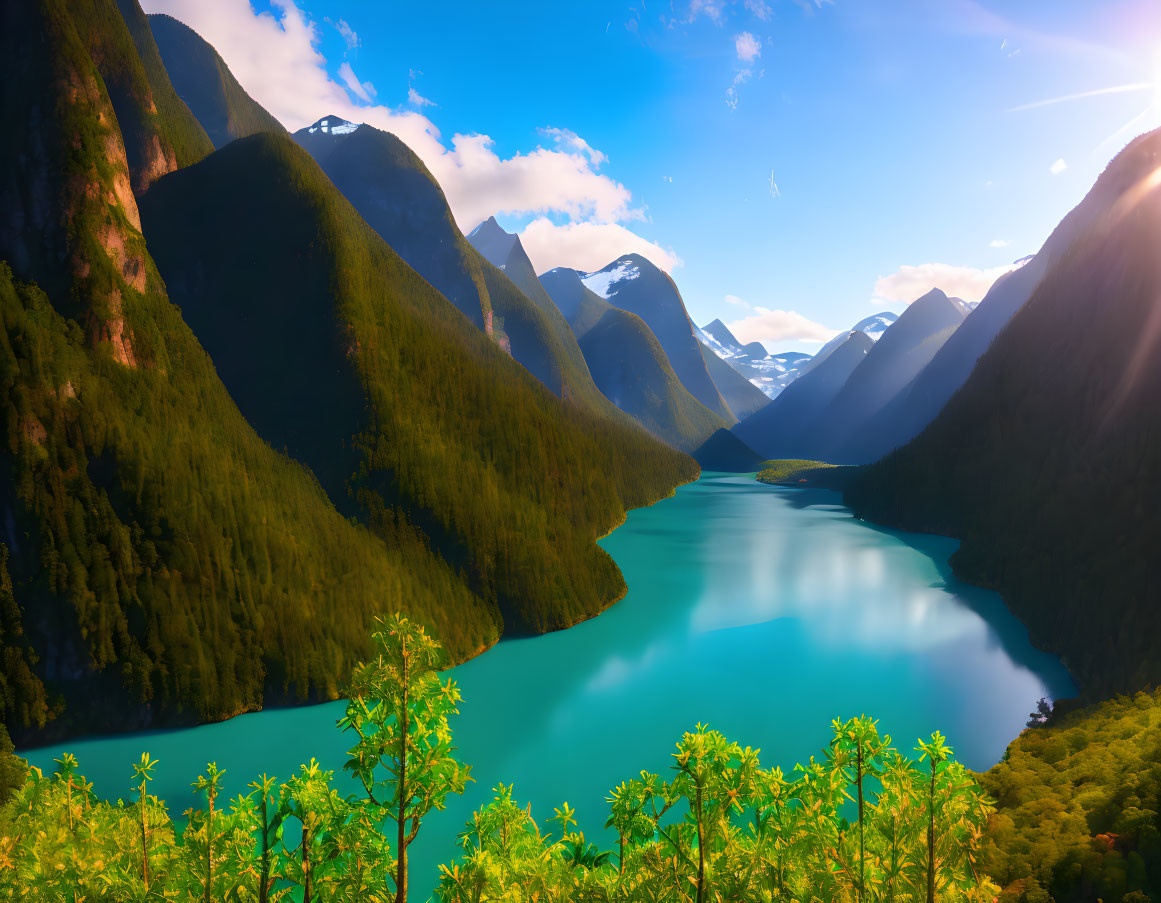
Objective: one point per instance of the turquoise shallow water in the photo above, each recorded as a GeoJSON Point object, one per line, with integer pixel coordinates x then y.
{"type": "Point", "coordinates": [762, 611]}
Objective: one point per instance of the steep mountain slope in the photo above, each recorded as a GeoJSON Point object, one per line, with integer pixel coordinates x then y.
{"type": "Point", "coordinates": [904, 349]}
{"type": "Point", "coordinates": [628, 364]}
{"type": "Point", "coordinates": [725, 451]}
{"type": "Point", "coordinates": [175, 123]}
{"type": "Point", "coordinates": [743, 397]}
{"type": "Point", "coordinates": [162, 562]}
{"type": "Point", "coordinates": [634, 284]}
{"type": "Point", "coordinates": [876, 324]}
{"type": "Point", "coordinates": [442, 429]}
{"type": "Point", "coordinates": [1047, 462]}
{"type": "Point", "coordinates": [400, 199]}
{"type": "Point", "coordinates": [202, 79]}
{"type": "Point", "coordinates": [777, 430]}
{"type": "Point", "coordinates": [950, 368]}
{"type": "Point", "coordinates": [720, 333]}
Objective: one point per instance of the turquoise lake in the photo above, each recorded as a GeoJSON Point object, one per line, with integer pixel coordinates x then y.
{"type": "Point", "coordinates": [761, 611]}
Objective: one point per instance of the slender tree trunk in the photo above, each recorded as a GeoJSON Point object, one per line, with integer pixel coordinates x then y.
{"type": "Point", "coordinates": [210, 849]}
{"type": "Point", "coordinates": [700, 852]}
{"type": "Point", "coordinates": [264, 879]}
{"type": "Point", "coordinates": [144, 841]}
{"type": "Point", "coordinates": [862, 847]}
{"type": "Point", "coordinates": [401, 844]}
{"type": "Point", "coordinates": [305, 862]}
{"type": "Point", "coordinates": [931, 838]}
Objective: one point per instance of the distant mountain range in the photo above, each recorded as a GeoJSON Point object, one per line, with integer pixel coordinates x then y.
{"type": "Point", "coordinates": [771, 373]}
{"type": "Point", "coordinates": [782, 429]}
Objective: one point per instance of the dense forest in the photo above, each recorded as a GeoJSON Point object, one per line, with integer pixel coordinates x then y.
{"type": "Point", "coordinates": [1080, 807]}
{"type": "Point", "coordinates": [163, 560]}
{"type": "Point", "coordinates": [1047, 463]}
{"type": "Point", "coordinates": [861, 822]}
{"type": "Point", "coordinates": [328, 340]}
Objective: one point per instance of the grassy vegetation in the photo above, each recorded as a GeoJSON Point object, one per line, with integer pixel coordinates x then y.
{"type": "Point", "coordinates": [790, 470]}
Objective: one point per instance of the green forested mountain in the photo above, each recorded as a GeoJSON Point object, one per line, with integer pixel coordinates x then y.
{"type": "Point", "coordinates": [1047, 462]}
{"type": "Point", "coordinates": [338, 351]}
{"type": "Point", "coordinates": [162, 562]}
{"type": "Point", "coordinates": [159, 561]}
{"type": "Point", "coordinates": [629, 365]}
{"type": "Point", "coordinates": [206, 85]}
{"type": "Point", "coordinates": [396, 194]}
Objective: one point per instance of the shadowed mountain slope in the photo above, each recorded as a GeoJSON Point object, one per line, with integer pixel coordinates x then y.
{"type": "Point", "coordinates": [904, 348]}
{"type": "Point", "coordinates": [634, 284]}
{"type": "Point", "coordinates": [629, 365]}
{"type": "Point", "coordinates": [743, 397]}
{"type": "Point", "coordinates": [781, 429]}
{"type": "Point", "coordinates": [1047, 462]}
{"type": "Point", "coordinates": [400, 199]}
{"type": "Point", "coordinates": [202, 79]}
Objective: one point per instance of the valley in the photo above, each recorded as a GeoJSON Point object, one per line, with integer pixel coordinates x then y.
{"type": "Point", "coordinates": [269, 379]}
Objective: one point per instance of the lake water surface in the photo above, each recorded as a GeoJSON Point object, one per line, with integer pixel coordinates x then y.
{"type": "Point", "coordinates": [762, 611]}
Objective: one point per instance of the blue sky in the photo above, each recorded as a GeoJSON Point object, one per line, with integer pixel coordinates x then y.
{"type": "Point", "coordinates": [891, 130]}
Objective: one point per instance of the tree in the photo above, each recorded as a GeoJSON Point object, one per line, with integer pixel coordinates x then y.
{"type": "Point", "coordinates": [857, 751]}
{"type": "Point", "coordinates": [142, 775]}
{"type": "Point", "coordinates": [399, 711]}
{"type": "Point", "coordinates": [936, 752]}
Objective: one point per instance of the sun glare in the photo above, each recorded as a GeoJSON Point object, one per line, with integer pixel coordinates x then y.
{"type": "Point", "coordinates": [1157, 80]}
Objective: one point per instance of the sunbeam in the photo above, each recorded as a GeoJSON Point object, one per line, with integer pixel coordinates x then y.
{"type": "Point", "coordinates": [1116, 89]}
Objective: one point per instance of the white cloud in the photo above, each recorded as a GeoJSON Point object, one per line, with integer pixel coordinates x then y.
{"type": "Point", "coordinates": [571, 140]}
{"type": "Point", "coordinates": [766, 325]}
{"type": "Point", "coordinates": [735, 300]}
{"type": "Point", "coordinates": [275, 57]}
{"type": "Point", "coordinates": [348, 33]}
{"type": "Point", "coordinates": [759, 8]}
{"type": "Point", "coordinates": [748, 47]}
{"type": "Point", "coordinates": [911, 282]}
{"type": "Point", "coordinates": [998, 243]}
{"type": "Point", "coordinates": [811, 5]}
{"type": "Point", "coordinates": [1058, 167]}
{"type": "Point", "coordinates": [740, 78]}
{"type": "Point", "coordinates": [363, 90]}
{"type": "Point", "coordinates": [418, 100]}
{"type": "Point", "coordinates": [711, 9]}
{"type": "Point", "coordinates": [587, 246]}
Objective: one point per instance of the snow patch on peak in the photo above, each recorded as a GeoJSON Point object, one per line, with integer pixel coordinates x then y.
{"type": "Point", "coordinates": [604, 282]}
{"type": "Point", "coordinates": [333, 125]}
{"type": "Point", "coordinates": [875, 325]}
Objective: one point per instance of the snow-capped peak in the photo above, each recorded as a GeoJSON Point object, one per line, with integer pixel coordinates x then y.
{"type": "Point", "coordinates": [333, 125]}
{"type": "Point", "coordinates": [875, 325]}
{"type": "Point", "coordinates": [603, 282]}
